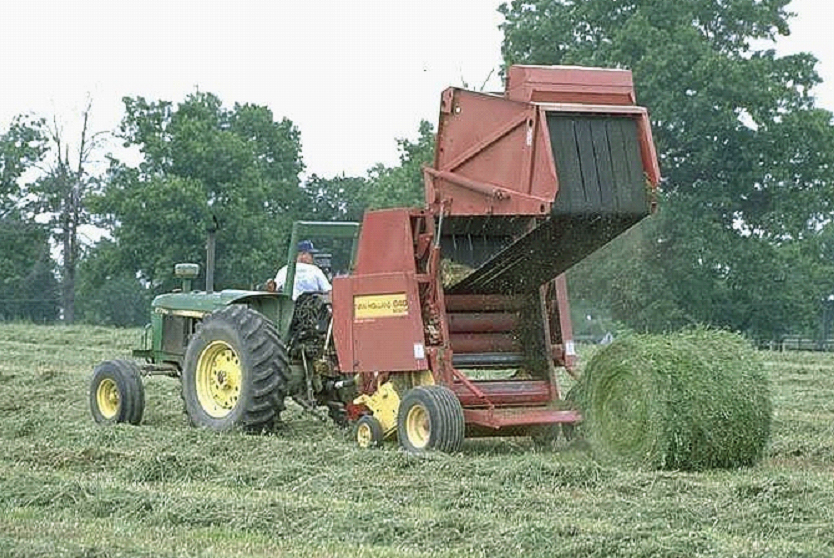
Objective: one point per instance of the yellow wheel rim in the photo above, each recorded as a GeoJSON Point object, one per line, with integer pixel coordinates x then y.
{"type": "Point", "coordinates": [418, 426]}
{"type": "Point", "coordinates": [107, 398]}
{"type": "Point", "coordinates": [364, 436]}
{"type": "Point", "coordinates": [219, 377]}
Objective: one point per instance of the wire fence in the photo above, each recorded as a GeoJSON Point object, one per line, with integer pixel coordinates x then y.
{"type": "Point", "coordinates": [797, 344]}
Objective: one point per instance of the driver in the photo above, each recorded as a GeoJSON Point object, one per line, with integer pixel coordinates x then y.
{"type": "Point", "coordinates": [308, 276]}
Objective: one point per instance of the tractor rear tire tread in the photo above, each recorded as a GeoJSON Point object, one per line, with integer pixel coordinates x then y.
{"type": "Point", "coordinates": [264, 364]}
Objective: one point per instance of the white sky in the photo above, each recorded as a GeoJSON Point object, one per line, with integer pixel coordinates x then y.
{"type": "Point", "coordinates": [353, 75]}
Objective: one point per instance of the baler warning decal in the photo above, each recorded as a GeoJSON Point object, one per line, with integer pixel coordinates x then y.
{"type": "Point", "coordinates": [379, 306]}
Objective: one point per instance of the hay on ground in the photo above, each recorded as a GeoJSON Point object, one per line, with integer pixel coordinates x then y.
{"type": "Point", "coordinates": [453, 272]}
{"type": "Point", "coordinates": [693, 400]}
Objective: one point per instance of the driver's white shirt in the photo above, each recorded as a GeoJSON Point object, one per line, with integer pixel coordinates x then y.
{"type": "Point", "coordinates": [308, 278]}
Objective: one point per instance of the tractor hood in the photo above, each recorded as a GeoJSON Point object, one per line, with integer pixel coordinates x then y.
{"type": "Point", "coordinates": [197, 304]}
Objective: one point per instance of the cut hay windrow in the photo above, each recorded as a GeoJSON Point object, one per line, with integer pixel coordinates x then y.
{"type": "Point", "coordinates": [692, 400]}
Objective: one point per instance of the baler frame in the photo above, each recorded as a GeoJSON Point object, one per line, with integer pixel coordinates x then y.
{"type": "Point", "coordinates": [490, 407]}
{"type": "Point", "coordinates": [543, 175]}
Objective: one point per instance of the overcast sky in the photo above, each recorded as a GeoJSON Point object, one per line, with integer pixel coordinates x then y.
{"type": "Point", "coordinates": [353, 75]}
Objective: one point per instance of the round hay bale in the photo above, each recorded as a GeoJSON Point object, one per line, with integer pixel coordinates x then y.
{"type": "Point", "coordinates": [692, 400]}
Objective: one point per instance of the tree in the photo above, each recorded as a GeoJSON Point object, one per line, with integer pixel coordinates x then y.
{"type": "Point", "coordinates": [341, 198]}
{"type": "Point", "coordinates": [346, 198]}
{"type": "Point", "coordinates": [109, 294]}
{"type": "Point", "coordinates": [62, 194]}
{"type": "Point", "coordinates": [402, 186]}
{"type": "Point", "coordinates": [28, 289]}
{"type": "Point", "coordinates": [203, 164]}
{"type": "Point", "coordinates": [21, 147]}
{"type": "Point", "coordinates": [746, 155]}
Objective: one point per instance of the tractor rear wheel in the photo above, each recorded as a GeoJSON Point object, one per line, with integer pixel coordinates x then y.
{"type": "Point", "coordinates": [117, 393]}
{"type": "Point", "coordinates": [430, 418]}
{"type": "Point", "coordinates": [235, 372]}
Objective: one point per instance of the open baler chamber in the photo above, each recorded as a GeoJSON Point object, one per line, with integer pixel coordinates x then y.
{"type": "Point", "coordinates": [531, 182]}
{"type": "Point", "coordinates": [523, 186]}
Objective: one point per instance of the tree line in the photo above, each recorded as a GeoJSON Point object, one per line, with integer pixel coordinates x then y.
{"type": "Point", "coordinates": [202, 165]}
{"type": "Point", "coordinates": [743, 238]}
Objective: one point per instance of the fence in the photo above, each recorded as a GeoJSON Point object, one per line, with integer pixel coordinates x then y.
{"type": "Point", "coordinates": [798, 344]}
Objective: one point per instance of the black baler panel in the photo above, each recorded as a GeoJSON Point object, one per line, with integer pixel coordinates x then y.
{"type": "Point", "coordinates": [599, 165]}
{"type": "Point", "coordinates": [602, 192]}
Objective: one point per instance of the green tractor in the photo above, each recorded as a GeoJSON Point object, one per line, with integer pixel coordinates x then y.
{"type": "Point", "coordinates": [238, 354]}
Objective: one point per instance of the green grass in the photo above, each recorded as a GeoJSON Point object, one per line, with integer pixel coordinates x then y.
{"type": "Point", "coordinates": [69, 488]}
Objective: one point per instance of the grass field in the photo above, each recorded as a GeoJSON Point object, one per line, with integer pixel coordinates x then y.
{"type": "Point", "coordinates": [71, 488]}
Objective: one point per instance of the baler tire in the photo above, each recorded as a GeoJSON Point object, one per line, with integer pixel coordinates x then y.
{"type": "Point", "coordinates": [430, 418]}
{"type": "Point", "coordinates": [117, 393]}
{"type": "Point", "coordinates": [454, 419]}
{"type": "Point", "coordinates": [235, 372]}
{"type": "Point", "coordinates": [368, 432]}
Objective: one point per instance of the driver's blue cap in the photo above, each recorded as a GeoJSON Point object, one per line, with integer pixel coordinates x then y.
{"type": "Point", "coordinates": [306, 246]}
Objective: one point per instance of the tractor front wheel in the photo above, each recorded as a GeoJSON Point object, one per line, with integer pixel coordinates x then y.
{"type": "Point", "coordinates": [117, 393]}
{"type": "Point", "coordinates": [430, 418]}
{"type": "Point", "coordinates": [235, 372]}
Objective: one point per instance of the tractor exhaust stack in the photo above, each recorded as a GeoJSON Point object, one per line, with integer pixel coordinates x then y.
{"type": "Point", "coordinates": [211, 243]}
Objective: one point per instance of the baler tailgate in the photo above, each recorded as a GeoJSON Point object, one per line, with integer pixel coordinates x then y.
{"type": "Point", "coordinates": [598, 164]}
{"type": "Point", "coordinates": [601, 193]}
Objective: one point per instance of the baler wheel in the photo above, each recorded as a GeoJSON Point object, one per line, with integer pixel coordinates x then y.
{"type": "Point", "coordinates": [116, 393]}
{"type": "Point", "coordinates": [368, 432]}
{"type": "Point", "coordinates": [235, 372]}
{"type": "Point", "coordinates": [430, 418]}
